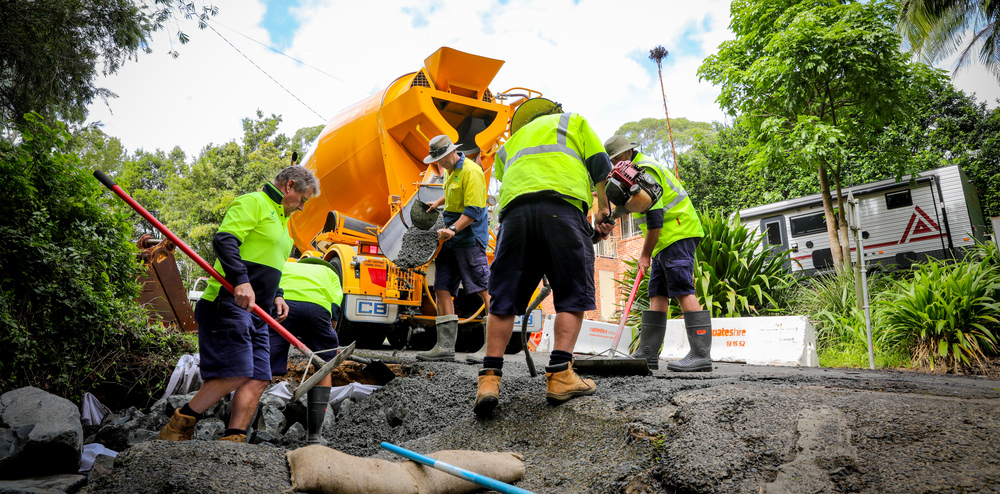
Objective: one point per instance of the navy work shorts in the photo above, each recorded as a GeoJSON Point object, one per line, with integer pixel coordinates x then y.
{"type": "Point", "coordinates": [231, 341]}
{"type": "Point", "coordinates": [672, 271]}
{"type": "Point", "coordinates": [544, 236]}
{"type": "Point", "coordinates": [308, 322]}
{"type": "Point", "coordinates": [466, 264]}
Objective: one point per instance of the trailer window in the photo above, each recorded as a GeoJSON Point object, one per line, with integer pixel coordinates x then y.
{"type": "Point", "coordinates": [898, 199]}
{"type": "Point", "coordinates": [773, 234]}
{"type": "Point", "coordinates": [806, 225]}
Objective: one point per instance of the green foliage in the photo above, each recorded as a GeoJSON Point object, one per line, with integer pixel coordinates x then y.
{"type": "Point", "coordinates": [68, 285]}
{"type": "Point", "coordinates": [733, 276]}
{"type": "Point", "coordinates": [654, 138]}
{"type": "Point", "coordinates": [830, 301]}
{"type": "Point", "coordinates": [51, 51]}
{"type": "Point", "coordinates": [935, 30]}
{"type": "Point", "coordinates": [717, 175]}
{"type": "Point", "coordinates": [947, 314]}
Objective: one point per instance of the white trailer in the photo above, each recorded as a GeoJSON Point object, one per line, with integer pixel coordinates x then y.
{"type": "Point", "coordinates": [935, 213]}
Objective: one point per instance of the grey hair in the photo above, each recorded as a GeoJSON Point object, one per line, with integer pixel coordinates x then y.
{"type": "Point", "coordinates": [303, 177]}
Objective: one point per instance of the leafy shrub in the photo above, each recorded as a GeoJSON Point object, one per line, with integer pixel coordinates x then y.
{"type": "Point", "coordinates": [830, 302]}
{"type": "Point", "coordinates": [947, 312]}
{"type": "Point", "coordinates": [68, 316]}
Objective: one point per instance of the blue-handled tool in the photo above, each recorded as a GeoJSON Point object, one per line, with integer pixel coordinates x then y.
{"type": "Point", "coordinates": [459, 472]}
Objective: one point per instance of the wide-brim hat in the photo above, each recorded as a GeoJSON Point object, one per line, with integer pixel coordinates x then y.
{"type": "Point", "coordinates": [440, 146]}
{"type": "Point", "coordinates": [618, 144]}
{"type": "Point", "coordinates": [530, 110]}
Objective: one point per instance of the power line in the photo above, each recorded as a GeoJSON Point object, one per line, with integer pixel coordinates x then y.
{"type": "Point", "coordinates": [265, 45]}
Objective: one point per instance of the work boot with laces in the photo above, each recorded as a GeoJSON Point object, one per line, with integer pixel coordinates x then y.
{"type": "Point", "coordinates": [236, 438]}
{"type": "Point", "coordinates": [562, 383]}
{"type": "Point", "coordinates": [179, 428]}
{"type": "Point", "coordinates": [488, 394]}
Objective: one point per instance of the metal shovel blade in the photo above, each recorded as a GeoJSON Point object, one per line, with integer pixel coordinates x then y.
{"type": "Point", "coordinates": [322, 372]}
{"type": "Point", "coordinates": [376, 369]}
{"type": "Point", "coordinates": [419, 216]}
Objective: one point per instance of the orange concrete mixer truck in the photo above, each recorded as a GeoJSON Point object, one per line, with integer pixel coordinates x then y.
{"type": "Point", "coordinates": [369, 160]}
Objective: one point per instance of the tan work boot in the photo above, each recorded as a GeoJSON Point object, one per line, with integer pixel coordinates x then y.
{"type": "Point", "coordinates": [236, 438]}
{"type": "Point", "coordinates": [179, 428]}
{"type": "Point", "coordinates": [488, 394]}
{"type": "Point", "coordinates": [562, 383]}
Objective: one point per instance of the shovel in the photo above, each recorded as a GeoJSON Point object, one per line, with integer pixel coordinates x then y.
{"type": "Point", "coordinates": [613, 365]}
{"type": "Point", "coordinates": [324, 367]}
{"type": "Point", "coordinates": [375, 368]}
{"type": "Point", "coordinates": [419, 216]}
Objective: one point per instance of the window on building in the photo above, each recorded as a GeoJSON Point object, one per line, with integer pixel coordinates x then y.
{"type": "Point", "coordinates": [808, 224]}
{"type": "Point", "coordinates": [630, 227]}
{"type": "Point", "coordinates": [899, 199]}
{"type": "Point", "coordinates": [607, 248]}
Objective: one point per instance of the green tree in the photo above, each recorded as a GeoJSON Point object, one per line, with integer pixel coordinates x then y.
{"type": "Point", "coordinates": [68, 314]}
{"type": "Point", "coordinates": [720, 178]}
{"type": "Point", "coordinates": [303, 139]}
{"type": "Point", "coordinates": [653, 135]}
{"type": "Point", "coordinates": [936, 29]}
{"type": "Point", "coordinates": [52, 50]}
{"type": "Point", "coordinates": [803, 76]}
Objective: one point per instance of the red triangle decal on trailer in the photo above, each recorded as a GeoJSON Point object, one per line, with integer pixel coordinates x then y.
{"type": "Point", "coordinates": [919, 224]}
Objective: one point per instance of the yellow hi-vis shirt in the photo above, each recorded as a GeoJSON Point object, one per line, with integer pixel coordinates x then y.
{"type": "Point", "coordinates": [313, 283]}
{"type": "Point", "coordinates": [465, 193]}
{"type": "Point", "coordinates": [558, 153]}
{"type": "Point", "coordinates": [680, 220]}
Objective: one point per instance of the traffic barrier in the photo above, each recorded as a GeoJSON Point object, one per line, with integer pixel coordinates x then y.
{"type": "Point", "coordinates": [768, 340]}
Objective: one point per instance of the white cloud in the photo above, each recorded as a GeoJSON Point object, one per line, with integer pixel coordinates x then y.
{"type": "Point", "coordinates": [590, 56]}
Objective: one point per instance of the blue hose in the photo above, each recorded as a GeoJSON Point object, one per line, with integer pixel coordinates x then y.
{"type": "Point", "coordinates": [459, 472]}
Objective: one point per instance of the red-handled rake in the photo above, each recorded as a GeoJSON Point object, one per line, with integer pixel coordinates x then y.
{"type": "Point", "coordinates": [324, 367]}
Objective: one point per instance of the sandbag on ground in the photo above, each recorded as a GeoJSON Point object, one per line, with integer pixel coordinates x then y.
{"type": "Point", "coordinates": [321, 469]}
{"type": "Point", "coordinates": [506, 467]}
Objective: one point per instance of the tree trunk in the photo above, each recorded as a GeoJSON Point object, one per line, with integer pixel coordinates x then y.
{"type": "Point", "coordinates": [845, 244]}
{"type": "Point", "coordinates": [831, 228]}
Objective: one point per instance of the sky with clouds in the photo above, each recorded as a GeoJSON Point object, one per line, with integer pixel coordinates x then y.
{"type": "Point", "coordinates": [589, 55]}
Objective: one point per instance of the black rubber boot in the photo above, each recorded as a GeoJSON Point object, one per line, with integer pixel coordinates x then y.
{"type": "Point", "coordinates": [651, 331]}
{"type": "Point", "coordinates": [447, 333]}
{"type": "Point", "coordinates": [698, 325]}
{"type": "Point", "coordinates": [317, 398]}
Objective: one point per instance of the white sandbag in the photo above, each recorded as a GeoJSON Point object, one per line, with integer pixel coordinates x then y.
{"type": "Point", "coordinates": [321, 469]}
{"type": "Point", "coordinates": [506, 467]}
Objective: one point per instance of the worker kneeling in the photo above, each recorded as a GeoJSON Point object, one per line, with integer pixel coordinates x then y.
{"type": "Point", "coordinates": [672, 232]}
{"type": "Point", "coordinates": [547, 167]}
{"type": "Point", "coordinates": [313, 293]}
{"type": "Point", "coordinates": [463, 255]}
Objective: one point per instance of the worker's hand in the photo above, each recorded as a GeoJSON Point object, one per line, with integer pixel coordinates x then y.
{"type": "Point", "coordinates": [431, 206]}
{"type": "Point", "coordinates": [644, 263]}
{"type": "Point", "coordinates": [445, 234]}
{"type": "Point", "coordinates": [280, 309]}
{"type": "Point", "coordinates": [244, 295]}
{"type": "Point", "coordinates": [603, 224]}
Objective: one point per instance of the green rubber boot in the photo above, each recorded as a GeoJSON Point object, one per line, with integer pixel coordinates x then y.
{"type": "Point", "coordinates": [447, 333]}
{"type": "Point", "coordinates": [698, 324]}
{"type": "Point", "coordinates": [651, 332]}
{"type": "Point", "coordinates": [477, 358]}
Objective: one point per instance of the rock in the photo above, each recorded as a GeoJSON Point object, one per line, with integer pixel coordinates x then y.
{"type": "Point", "coordinates": [394, 415]}
{"type": "Point", "coordinates": [296, 431]}
{"type": "Point", "coordinates": [117, 427]}
{"type": "Point", "coordinates": [67, 482]}
{"type": "Point", "coordinates": [196, 466]}
{"type": "Point", "coordinates": [209, 429]}
{"type": "Point", "coordinates": [103, 465]}
{"type": "Point", "coordinates": [274, 420]}
{"type": "Point", "coordinates": [136, 436]}
{"type": "Point", "coordinates": [260, 436]}
{"type": "Point", "coordinates": [43, 434]}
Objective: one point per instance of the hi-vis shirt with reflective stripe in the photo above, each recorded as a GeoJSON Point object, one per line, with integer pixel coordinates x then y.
{"type": "Point", "coordinates": [680, 220]}
{"type": "Point", "coordinates": [549, 154]}
{"type": "Point", "coordinates": [313, 283]}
